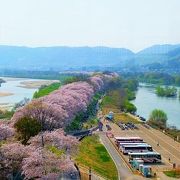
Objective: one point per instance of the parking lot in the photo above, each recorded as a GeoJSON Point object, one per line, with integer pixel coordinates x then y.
{"type": "Point", "coordinates": [167, 147]}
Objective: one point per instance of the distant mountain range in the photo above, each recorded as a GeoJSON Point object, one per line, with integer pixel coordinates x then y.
{"type": "Point", "coordinates": [159, 49]}
{"type": "Point", "coordinates": [59, 58]}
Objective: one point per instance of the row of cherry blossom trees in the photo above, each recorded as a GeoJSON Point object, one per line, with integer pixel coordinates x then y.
{"type": "Point", "coordinates": [58, 109]}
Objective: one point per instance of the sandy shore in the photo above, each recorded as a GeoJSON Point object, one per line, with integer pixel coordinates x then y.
{"type": "Point", "coordinates": [36, 84]}
{"type": "Point", "coordinates": [5, 106]}
{"type": "Point", "coordinates": [2, 94]}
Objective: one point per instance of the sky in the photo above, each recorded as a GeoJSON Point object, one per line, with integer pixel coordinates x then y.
{"type": "Point", "coordinates": [133, 24]}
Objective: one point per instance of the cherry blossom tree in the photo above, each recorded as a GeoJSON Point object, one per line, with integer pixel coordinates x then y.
{"type": "Point", "coordinates": [56, 138]}
{"type": "Point", "coordinates": [97, 82]}
{"type": "Point", "coordinates": [42, 164]}
{"type": "Point", "coordinates": [50, 176]}
{"type": "Point", "coordinates": [5, 131]}
{"type": "Point", "coordinates": [11, 156]}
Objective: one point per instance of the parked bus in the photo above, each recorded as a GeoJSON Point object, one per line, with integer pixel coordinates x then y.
{"type": "Point", "coordinates": [147, 157]}
{"type": "Point", "coordinates": [136, 148]}
{"type": "Point", "coordinates": [130, 143]}
{"type": "Point", "coordinates": [121, 139]}
{"type": "Point", "coordinates": [128, 139]}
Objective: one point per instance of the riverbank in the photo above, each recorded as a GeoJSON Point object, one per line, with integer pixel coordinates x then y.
{"type": "Point", "coordinates": [36, 84]}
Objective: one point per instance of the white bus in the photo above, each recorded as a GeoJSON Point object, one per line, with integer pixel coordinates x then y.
{"type": "Point", "coordinates": [136, 148]}
{"type": "Point", "coordinates": [130, 143]}
{"type": "Point", "coordinates": [147, 157]}
{"type": "Point", "coordinates": [128, 139]}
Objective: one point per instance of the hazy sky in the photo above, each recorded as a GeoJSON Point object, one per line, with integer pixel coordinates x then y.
{"type": "Point", "coordinates": [133, 24]}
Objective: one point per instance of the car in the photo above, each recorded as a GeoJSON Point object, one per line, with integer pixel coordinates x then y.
{"type": "Point", "coordinates": [109, 134]}
{"type": "Point", "coordinates": [130, 125]}
{"type": "Point", "coordinates": [125, 127]}
{"type": "Point", "coordinates": [122, 127]}
{"type": "Point", "coordinates": [142, 119]}
{"type": "Point", "coordinates": [119, 124]}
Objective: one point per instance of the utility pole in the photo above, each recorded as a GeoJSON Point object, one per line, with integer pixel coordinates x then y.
{"type": "Point", "coordinates": [90, 173]}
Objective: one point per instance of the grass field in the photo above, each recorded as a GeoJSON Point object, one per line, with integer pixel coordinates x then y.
{"type": "Point", "coordinates": [125, 118]}
{"type": "Point", "coordinates": [173, 173]}
{"type": "Point", "coordinates": [46, 90]}
{"type": "Point", "coordinates": [93, 154]}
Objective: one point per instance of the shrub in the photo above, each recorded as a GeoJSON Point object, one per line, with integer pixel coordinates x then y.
{"type": "Point", "coordinates": [27, 127]}
{"type": "Point", "coordinates": [158, 118]}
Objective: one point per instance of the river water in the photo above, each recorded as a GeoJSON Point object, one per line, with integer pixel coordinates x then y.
{"type": "Point", "coordinates": [18, 93]}
{"type": "Point", "coordinates": [146, 101]}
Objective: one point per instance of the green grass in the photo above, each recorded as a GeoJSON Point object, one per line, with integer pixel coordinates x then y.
{"type": "Point", "coordinates": [46, 90]}
{"type": "Point", "coordinates": [111, 99]}
{"type": "Point", "coordinates": [55, 151]}
{"type": "Point", "coordinates": [6, 114]}
{"type": "Point", "coordinates": [90, 123]}
{"type": "Point", "coordinates": [93, 154]}
{"type": "Point", "coordinates": [125, 118]}
{"type": "Point", "coordinates": [173, 173]}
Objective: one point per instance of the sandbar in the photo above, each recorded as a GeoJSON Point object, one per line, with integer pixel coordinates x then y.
{"type": "Point", "coordinates": [36, 84]}
{"type": "Point", "coordinates": [3, 94]}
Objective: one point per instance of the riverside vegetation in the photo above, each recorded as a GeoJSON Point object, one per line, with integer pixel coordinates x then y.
{"type": "Point", "coordinates": [158, 78]}
{"type": "Point", "coordinates": [166, 91]}
{"type": "Point", "coordinates": [158, 120]}
{"type": "Point", "coordinates": [118, 97]}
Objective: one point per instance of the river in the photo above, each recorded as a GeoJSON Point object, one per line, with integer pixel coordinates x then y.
{"type": "Point", "coordinates": [16, 93]}
{"type": "Point", "coordinates": [146, 101]}
{"type": "Point", "coordinates": [16, 89]}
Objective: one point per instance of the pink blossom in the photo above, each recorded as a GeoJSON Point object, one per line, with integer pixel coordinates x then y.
{"type": "Point", "coordinates": [56, 138]}
{"type": "Point", "coordinates": [50, 176]}
{"type": "Point", "coordinates": [98, 82]}
{"type": "Point", "coordinates": [11, 156]}
{"type": "Point", "coordinates": [58, 109]}
{"type": "Point", "coordinates": [5, 132]}
{"type": "Point", "coordinates": [41, 163]}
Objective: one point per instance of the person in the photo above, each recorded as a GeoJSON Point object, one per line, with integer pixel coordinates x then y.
{"type": "Point", "coordinates": [174, 165]}
{"type": "Point", "coordinates": [169, 159]}
{"type": "Point", "coordinates": [158, 143]}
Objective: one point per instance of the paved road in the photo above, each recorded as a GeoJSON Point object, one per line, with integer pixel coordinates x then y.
{"type": "Point", "coordinates": [123, 170]}
{"type": "Point", "coordinates": [168, 147]}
